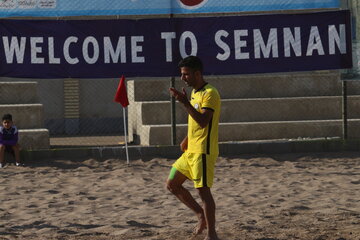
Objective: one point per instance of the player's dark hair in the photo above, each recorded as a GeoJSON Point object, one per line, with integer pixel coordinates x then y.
{"type": "Point", "coordinates": [7, 117]}
{"type": "Point", "coordinates": [192, 62]}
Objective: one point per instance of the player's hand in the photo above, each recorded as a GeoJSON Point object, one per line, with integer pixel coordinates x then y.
{"type": "Point", "coordinates": [180, 96]}
{"type": "Point", "coordinates": [184, 144]}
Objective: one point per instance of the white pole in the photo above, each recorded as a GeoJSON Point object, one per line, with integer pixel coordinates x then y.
{"type": "Point", "coordinates": [126, 146]}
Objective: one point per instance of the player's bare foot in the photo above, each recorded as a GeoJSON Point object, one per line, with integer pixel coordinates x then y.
{"type": "Point", "coordinates": [201, 226]}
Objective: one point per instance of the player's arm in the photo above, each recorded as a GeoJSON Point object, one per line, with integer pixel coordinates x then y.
{"type": "Point", "coordinates": [202, 118]}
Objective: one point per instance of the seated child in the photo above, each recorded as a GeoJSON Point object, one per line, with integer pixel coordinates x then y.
{"type": "Point", "coordinates": [9, 140]}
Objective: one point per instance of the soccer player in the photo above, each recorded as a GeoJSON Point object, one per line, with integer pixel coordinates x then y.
{"type": "Point", "coordinates": [200, 146]}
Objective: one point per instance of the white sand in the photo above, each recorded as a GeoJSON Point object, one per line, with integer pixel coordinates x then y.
{"type": "Point", "coordinates": [285, 196]}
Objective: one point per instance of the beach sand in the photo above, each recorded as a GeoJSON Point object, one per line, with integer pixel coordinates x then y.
{"type": "Point", "coordinates": [264, 197]}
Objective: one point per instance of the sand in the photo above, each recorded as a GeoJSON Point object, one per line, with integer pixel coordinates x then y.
{"type": "Point", "coordinates": [263, 197]}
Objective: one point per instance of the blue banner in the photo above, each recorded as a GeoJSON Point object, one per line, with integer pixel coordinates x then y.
{"type": "Point", "coordinates": [153, 47]}
{"type": "Point", "coordinates": [213, 6]}
{"type": "Point", "coordinates": [57, 8]}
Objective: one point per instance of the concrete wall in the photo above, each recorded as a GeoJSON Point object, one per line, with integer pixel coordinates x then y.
{"type": "Point", "coordinates": [259, 109]}
{"type": "Point", "coordinates": [28, 90]}
{"type": "Point", "coordinates": [50, 95]}
{"type": "Point", "coordinates": [254, 107]}
{"type": "Point", "coordinates": [98, 113]}
{"type": "Point", "coordinates": [25, 115]}
{"type": "Point", "coordinates": [20, 99]}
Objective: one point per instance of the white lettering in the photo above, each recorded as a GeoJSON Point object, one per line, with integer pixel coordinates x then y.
{"type": "Point", "coordinates": [67, 56]}
{"type": "Point", "coordinates": [193, 42]}
{"type": "Point", "coordinates": [85, 49]}
{"type": "Point", "coordinates": [35, 50]}
{"type": "Point", "coordinates": [114, 55]}
{"type": "Point", "coordinates": [14, 48]}
{"type": "Point", "coordinates": [292, 42]}
{"type": "Point", "coordinates": [52, 58]}
{"type": "Point", "coordinates": [314, 42]}
{"type": "Point", "coordinates": [135, 49]}
{"type": "Point", "coordinates": [240, 44]}
{"type": "Point", "coordinates": [168, 36]}
{"type": "Point", "coordinates": [271, 46]}
{"type": "Point", "coordinates": [340, 40]}
{"type": "Point", "coordinates": [222, 45]}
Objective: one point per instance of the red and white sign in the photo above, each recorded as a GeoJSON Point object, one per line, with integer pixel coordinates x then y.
{"type": "Point", "coordinates": [192, 4]}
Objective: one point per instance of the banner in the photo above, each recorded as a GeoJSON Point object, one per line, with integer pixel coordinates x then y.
{"type": "Point", "coordinates": [57, 8]}
{"type": "Point", "coordinates": [153, 47]}
{"type": "Point", "coordinates": [213, 6]}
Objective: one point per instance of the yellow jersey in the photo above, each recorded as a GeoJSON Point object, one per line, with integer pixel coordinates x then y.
{"type": "Point", "coordinates": [204, 140]}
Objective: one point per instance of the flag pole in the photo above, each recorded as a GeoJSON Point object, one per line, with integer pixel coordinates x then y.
{"type": "Point", "coordinates": [126, 145]}
{"type": "Point", "coordinates": [121, 97]}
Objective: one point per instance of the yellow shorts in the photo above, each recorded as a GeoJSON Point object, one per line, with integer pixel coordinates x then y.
{"type": "Point", "coordinates": [197, 167]}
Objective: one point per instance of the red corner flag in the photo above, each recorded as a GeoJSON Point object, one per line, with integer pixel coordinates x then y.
{"type": "Point", "coordinates": [121, 94]}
